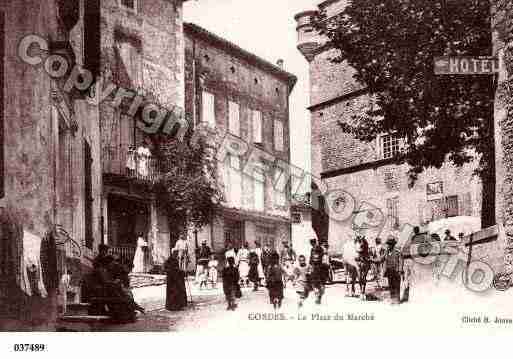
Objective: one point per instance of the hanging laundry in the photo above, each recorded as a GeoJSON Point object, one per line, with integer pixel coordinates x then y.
{"type": "Point", "coordinates": [11, 249]}
{"type": "Point", "coordinates": [33, 274]}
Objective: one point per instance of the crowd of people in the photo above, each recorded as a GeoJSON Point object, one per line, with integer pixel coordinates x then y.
{"type": "Point", "coordinates": [265, 267]}
{"type": "Point", "coordinates": [107, 287]}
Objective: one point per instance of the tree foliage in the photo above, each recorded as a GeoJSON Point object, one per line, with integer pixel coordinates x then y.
{"type": "Point", "coordinates": [190, 183]}
{"type": "Point", "coordinates": [391, 44]}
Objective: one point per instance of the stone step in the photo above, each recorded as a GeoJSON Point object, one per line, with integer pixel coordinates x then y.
{"type": "Point", "coordinates": [81, 323]}
{"type": "Point", "coordinates": [146, 280]}
{"type": "Point", "coordinates": [77, 309]}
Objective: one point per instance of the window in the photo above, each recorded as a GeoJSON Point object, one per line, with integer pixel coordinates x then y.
{"type": "Point", "coordinates": [259, 191]}
{"type": "Point", "coordinates": [444, 207]}
{"type": "Point", "coordinates": [88, 196]}
{"type": "Point", "coordinates": [280, 189]}
{"type": "Point", "coordinates": [393, 211]}
{"type": "Point", "coordinates": [278, 135]}
{"type": "Point", "coordinates": [233, 183]}
{"type": "Point", "coordinates": [233, 119]}
{"type": "Point", "coordinates": [129, 66]}
{"type": "Point", "coordinates": [451, 203]}
{"type": "Point", "coordinates": [129, 4]}
{"type": "Point", "coordinates": [390, 146]}
{"type": "Point", "coordinates": [257, 127]}
{"type": "Point", "coordinates": [208, 109]}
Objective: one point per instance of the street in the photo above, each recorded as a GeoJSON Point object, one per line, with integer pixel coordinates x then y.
{"type": "Point", "coordinates": [207, 313]}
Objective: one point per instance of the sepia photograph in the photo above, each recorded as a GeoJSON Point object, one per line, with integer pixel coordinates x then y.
{"type": "Point", "coordinates": [236, 167]}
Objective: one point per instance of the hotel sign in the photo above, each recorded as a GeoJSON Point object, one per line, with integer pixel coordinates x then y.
{"type": "Point", "coordinates": [466, 65]}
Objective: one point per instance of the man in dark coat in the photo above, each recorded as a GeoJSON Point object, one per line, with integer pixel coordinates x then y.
{"type": "Point", "coordinates": [231, 287]}
{"type": "Point", "coordinates": [176, 294]}
{"type": "Point", "coordinates": [253, 270]}
{"type": "Point", "coordinates": [275, 281]}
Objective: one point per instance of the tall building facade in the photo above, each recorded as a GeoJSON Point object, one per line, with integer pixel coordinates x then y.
{"type": "Point", "coordinates": [142, 50]}
{"type": "Point", "coordinates": [375, 188]}
{"type": "Point", "coordinates": [75, 169]}
{"type": "Point", "coordinates": [238, 93]}
{"type": "Point", "coordinates": [50, 172]}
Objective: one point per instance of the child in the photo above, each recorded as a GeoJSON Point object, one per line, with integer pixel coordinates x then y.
{"type": "Point", "coordinates": [301, 274]}
{"type": "Point", "coordinates": [212, 270]}
{"type": "Point", "coordinates": [203, 277]}
{"type": "Point", "coordinates": [230, 283]}
{"type": "Point", "coordinates": [275, 281]}
{"type": "Point", "coordinates": [254, 275]}
{"type": "Point", "coordinates": [318, 274]}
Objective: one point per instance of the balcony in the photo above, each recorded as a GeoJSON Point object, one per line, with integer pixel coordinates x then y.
{"type": "Point", "coordinates": [125, 253]}
{"type": "Point", "coordinates": [130, 163]}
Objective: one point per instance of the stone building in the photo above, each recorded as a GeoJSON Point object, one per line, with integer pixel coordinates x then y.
{"type": "Point", "coordinates": [375, 188]}
{"type": "Point", "coordinates": [142, 50]}
{"type": "Point", "coordinates": [502, 26]}
{"type": "Point", "coordinates": [239, 93]}
{"type": "Point", "coordinates": [71, 166]}
{"type": "Point", "coordinates": [50, 160]}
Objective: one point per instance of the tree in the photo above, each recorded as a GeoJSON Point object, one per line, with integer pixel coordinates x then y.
{"type": "Point", "coordinates": [391, 45]}
{"type": "Point", "coordinates": [189, 183]}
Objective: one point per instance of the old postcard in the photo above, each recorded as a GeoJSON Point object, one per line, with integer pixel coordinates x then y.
{"type": "Point", "coordinates": [255, 167]}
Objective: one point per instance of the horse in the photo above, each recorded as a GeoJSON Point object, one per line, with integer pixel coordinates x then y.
{"type": "Point", "coordinates": [356, 258]}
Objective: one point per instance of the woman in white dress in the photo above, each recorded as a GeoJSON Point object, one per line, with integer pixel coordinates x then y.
{"type": "Point", "coordinates": [243, 259]}
{"type": "Point", "coordinates": [139, 265]}
{"type": "Point", "coordinates": [143, 154]}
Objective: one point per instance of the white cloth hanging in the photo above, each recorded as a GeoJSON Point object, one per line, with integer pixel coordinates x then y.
{"type": "Point", "coordinates": [143, 154]}
{"type": "Point", "coordinates": [139, 266]}
{"type": "Point", "coordinates": [32, 259]}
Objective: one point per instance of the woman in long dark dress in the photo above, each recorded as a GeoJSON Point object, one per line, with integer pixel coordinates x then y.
{"type": "Point", "coordinates": [176, 294]}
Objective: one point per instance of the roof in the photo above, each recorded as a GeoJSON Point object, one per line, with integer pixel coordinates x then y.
{"type": "Point", "coordinates": [199, 32]}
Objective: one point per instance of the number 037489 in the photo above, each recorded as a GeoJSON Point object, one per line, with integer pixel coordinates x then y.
{"type": "Point", "coordinates": [29, 347]}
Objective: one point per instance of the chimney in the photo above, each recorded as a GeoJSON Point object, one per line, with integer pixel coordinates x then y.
{"type": "Point", "coordinates": [280, 63]}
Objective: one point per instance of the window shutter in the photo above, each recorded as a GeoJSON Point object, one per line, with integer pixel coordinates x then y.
{"type": "Point", "coordinates": [233, 120]}
{"type": "Point", "coordinates": [278, 135]}
{"type": "Point", "coordinates": [208, 109]}
{"type": "Point", "coordinates": [257, 126]}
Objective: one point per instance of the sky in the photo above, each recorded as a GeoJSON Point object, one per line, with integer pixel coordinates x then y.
{"type": "Point", "coordinates": [266, 28]}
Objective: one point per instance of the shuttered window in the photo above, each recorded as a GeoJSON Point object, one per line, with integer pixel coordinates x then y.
{"type": "Point", "coordinates": [233, 120]}
{"type": "Point", "coordinates": [393, 211]}
{"type": "Point", "coordinates": [208, 109]}
{"type": "Point", "coordinates": [280, 189]}
{"type": "Point", "coordinates": [278, 135]}
{"type": "Point", "coordinates": [257, 126]}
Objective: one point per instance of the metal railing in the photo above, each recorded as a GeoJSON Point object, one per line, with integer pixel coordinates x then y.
{"type": "Point", "coordinates": [131, 163]}
{"type": "Point", "coordinates": [125, 253]}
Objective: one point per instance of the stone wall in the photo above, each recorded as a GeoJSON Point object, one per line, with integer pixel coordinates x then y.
{"type": "Point", "coordinates": [502, 22]}
{"type": "Point", "coordinates": [230, 74]}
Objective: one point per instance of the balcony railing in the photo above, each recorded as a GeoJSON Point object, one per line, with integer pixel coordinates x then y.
{"type": "Point", "coordinates": [137, 164]}
{"type": "Point", "coordinates": [126, 254]}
